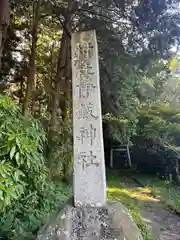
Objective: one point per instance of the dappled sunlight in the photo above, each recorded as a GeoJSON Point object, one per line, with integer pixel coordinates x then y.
{"type": "Point", "coordinates": [147, 220]}
{"type": "Point", "coordinates": [168, 193]}
{"type": "Point", "coordinates": [138, 193]}
{"type": "Point", "coordinates": [146, 210]}
{"type": "Point", "coordinates": [144, 190]}
{"type": "Point", "coordinates": [116, 191]}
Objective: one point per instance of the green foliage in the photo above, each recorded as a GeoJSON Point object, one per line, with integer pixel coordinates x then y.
{"type": "Point", "coordinates": [60, 159]}
{"type": "Point", "coordinates": [158, 133]}
{"type": "Point", "coordinates": [173, 64]}
{"type": "Point", "coordinates": [23, 220]}
{"type": "Point", "coordinates": [22, 163]}
{"type": "Point", "coordinates": [146, 232]}
{"type": "Point", "coordinates": [130, 47]}
{"type": "Point", "coordinates": [120, 129]}
{"type": "Point", "coordinates": [159, 122]}
{"type": "Point", "coordinates": [27, 198]}
{"type": "Point", "coordinates": [11, 184]}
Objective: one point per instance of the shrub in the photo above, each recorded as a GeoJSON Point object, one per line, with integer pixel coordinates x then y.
{"type": "Point", "coordinates": [27, 197]}
{"type": "Point", "coordinates": [22, 165]}
{"type": "Point", "coordinates": [23, 220]}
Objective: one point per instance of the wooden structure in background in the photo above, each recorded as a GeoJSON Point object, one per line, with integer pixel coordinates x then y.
{"type": "Point", "coordinates": [121, 149]}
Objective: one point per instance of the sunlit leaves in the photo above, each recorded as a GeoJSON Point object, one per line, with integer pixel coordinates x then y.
{"type": "Point", "coordinates": [173, 63]}
{"type": "Point", "coordinates": [21, 149]}
{"type": "Point", "coordinates": [11, 184]}
{"type": "Point", "coordinates": [159, 122]}
{"type": "Point", "coordinates": [12, 152]}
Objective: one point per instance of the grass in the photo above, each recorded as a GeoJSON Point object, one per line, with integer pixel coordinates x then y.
{"type": "Point", "coordinates": [117, 192]}
{"type": "Point", "coordinates": [168, 193]}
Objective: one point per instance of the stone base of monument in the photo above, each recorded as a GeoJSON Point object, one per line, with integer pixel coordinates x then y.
{"type": "Point", "coordinates": [112, 222]}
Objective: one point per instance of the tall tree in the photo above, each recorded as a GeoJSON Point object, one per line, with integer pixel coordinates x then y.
{"type": "Point", "coordinates": [4, 23]}
{"type": "Point", "coordinates": [32, 60]}
{"type": "Point", "coordinates": [63, 70]}
{"type": "Point", "coordinates": [129, 42]}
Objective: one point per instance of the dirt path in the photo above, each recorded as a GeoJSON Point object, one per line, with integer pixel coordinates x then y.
{"type": "Point", "coordinates": [164, 223]}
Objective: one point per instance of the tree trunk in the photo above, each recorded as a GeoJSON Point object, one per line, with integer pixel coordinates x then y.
{"type": "Point", "coordinates": [177, 170]}
{"type": "Point", "coordinates": [60, 93]}
{"type": "Point", "coordinates": [58, 78]}
{"type": "Point", "coordinates": [50, 81]}
{"type": "Point", "coordinates": [66, 82]}
{"type": "Point", "coordinates": [32, 60]}
{"type": "Point", "coordinates": [4, 23]}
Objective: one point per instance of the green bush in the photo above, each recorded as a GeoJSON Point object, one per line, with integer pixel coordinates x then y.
{"type": "Point", "coordinates": [27, 197]}
{"type": "Point", "coordinates": [22, 165]}
{"type": "Point", "coordinates": [23, 220]}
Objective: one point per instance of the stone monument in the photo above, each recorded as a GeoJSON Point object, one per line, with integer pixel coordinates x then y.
{"type": "Point", "coordinates": [89, 166]}
{"type": "Point", "coordinates": [90, 218]}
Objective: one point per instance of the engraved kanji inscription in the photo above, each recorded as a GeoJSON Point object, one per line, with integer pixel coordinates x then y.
{"type": "Point", "coordinates": [88, 133]}
{"type": "Point", "coordinates": [82, 54]}
{"type": "Point", "coordinates": [85, 90]}
{"type": "Point", "coordinates": [87, 160]}
{"type": "Point", "coordinates": [83, 51]}
{"type": "Point", "coordinates": [85, 74]}
{"type": "Point", "coordinates": [89, 166]}
{"type": "Point", "coordinates": [85, 112]}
